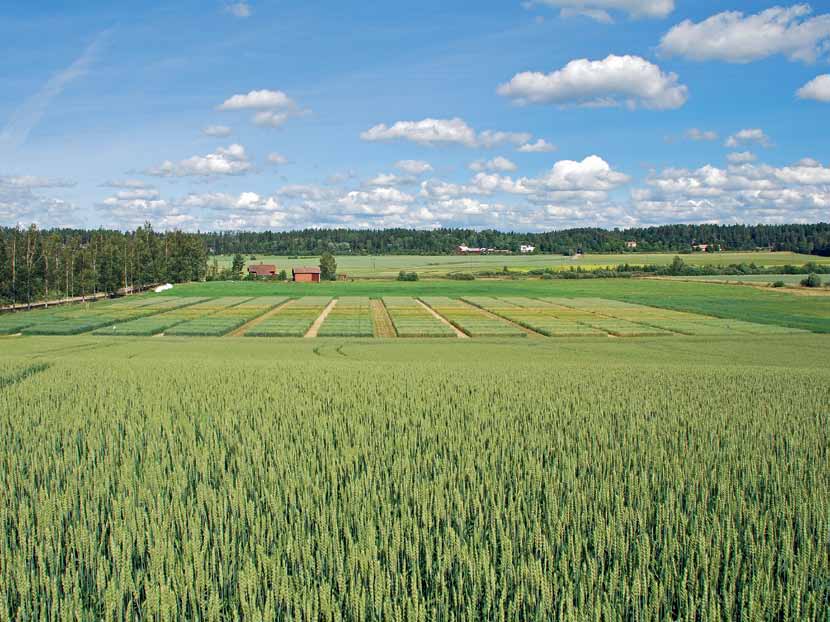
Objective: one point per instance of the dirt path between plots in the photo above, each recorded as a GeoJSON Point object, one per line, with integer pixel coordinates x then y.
{"type": "Point", "coordinates": [315, 328]}
{"type": "Point", "coordinates": [381, 322]}
{"type": "Point", "coordinates": [239, 332]}
{"type": "Point", "coordinates": [496, 316]}
{"type": "Point", "coordinates": [458, 333]}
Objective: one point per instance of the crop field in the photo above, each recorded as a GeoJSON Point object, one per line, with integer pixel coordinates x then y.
{"type": "Point", "coordinates": [293, 319]}
{"type": "Point", "coordinates": [539, 316]}
{"type": "Point", "coordinates": [224, 321]}
{"type": "Point", "coordinates": [194, 308]}
{"type": "Point", "coordinates": [76, 319]}
{"type": "Point", "coordinates": [433, 265]}
{"type": "Point", "coordinates": [411, 319]}
{"type": "Point", "coordinates": [472, 320]}
{"type": "Point", "coordinates": [152, 479]}
{"type": "Point", "coordinates": [351, 317]}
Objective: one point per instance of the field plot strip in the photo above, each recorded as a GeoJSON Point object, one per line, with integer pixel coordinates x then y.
{"type": "Point", "coordinates": [382, 325]}
{"type": "Point", "coordinates": [224, 321]}
{"type": "Point", "coordinates": [473, 321]}
{"type": "Point", "coordinates": [159, 323]}
{"type": "Point", "coordinates": [293, 319]}
{"type": "Point", "coordinates": [350, 317]}
{"type": "Point", "coordinates": [82, 319]}
{"type": "Point", "coordinates": [412, 318]}
{"type": "Point", "coordinates": [657, 318]}
{"type": "Point", "coordinates": [543, 318]}
{"type": "Point", "coordinates": [596, 313]}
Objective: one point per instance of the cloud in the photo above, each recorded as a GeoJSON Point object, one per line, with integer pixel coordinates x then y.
{"type": "Point", "coordinates": [19, 204]}
{"type": "Point", "coordinates": [818, 89]}
{"type": "Point", "coordinates": [598, 9]}
{"type": "Point", "coordinates": [613, 81]}
{"type": "Point", "coordinates": [33, 181]}
{"type": "Point", "coordinates": [230, 160]}
{"type": "Point", "coordinates": [29, 114]}
{"type": "Point", "coordinates": [696, 134]}
{"type": "Point", "coordinates": [540, 146]}
{"type": "Point", "coordinates": [217, 131]}
{"type": "Point", "coordinates": [433, 132]}
{"type": "Point", "coordinates": [413, 167]}
{"type": "Point", "coordinates": [390, 179]}
{"type": "Point", "coordinates": [258, 100]}
{"type": "Point", "coordinates": [273, 108]}
{"type": "Point", "coordinates": [740, 193]}
{"type": "Point", "coordinates": [740, 157]}
{"type": "Point", "coordinates": [239, 9]}
{"type": "Point", "coordinates": [277, 159]}
{"type": "Point", "coordinates": [499, 163]}
{"type": "Point", "coordinates": [125, 183]}
{"type": "Point", "coordinates": [734, 37]}
{"type": "Point", "coordinates": [746, 136]}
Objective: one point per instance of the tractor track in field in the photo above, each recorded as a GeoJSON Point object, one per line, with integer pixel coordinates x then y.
{"type": "Point", "coordinates": [315, 328]}
{"type": "Point", "coordinates": [381, 322]}
{"type": "Point", "coordinates": [239, 332]}
{"type": "Point", "coordinates": [458, 332]}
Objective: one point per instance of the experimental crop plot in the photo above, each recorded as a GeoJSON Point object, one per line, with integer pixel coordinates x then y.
{"type": "Point", "coordinates": [535, 315]}
{"type": "Point", "coordinates": [411, 319]}
{"type": "Point", "coordinates": [79, 319]}
{"type": "Point", "coordinates": [293, 319]}
{"type": "Point", "coordinates": [155, 324]}
{"type": "Point", "coordinates": [226, 320]}
{"type": "Point", "coordinates": [351, 317]}
{"type": "Point", "coordinates": [471, 320]}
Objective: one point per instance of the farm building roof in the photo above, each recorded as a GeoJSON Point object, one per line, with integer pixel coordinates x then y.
{"type": "Point", "coordinates": [306, 270]}
{"type": "Point", "coordinates": [262, 269]}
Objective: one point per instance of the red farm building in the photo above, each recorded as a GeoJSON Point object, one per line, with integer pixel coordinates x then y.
{"type": "Point", "coordinates": [306, 275]}
{"type": "Point", "coordinates": [262, 269]}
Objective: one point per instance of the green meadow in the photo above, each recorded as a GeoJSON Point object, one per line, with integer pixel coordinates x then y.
{"type": "Point", "coordinates": [433, 265]}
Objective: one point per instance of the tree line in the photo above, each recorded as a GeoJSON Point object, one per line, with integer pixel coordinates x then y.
{"type": "Point", "coordinates": [808, 239]}
{"type": "Point", "coordinates": [40, 265]}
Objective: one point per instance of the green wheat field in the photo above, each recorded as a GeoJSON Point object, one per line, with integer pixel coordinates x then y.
{"type": "Point", "coordinates": [601, 450]}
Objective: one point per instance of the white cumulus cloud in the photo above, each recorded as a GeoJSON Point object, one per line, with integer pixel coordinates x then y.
{"type": "Point", "coordinates": [748, 136]}
{"type": "Point", "coordinates": [741, 157]}
{"type": "Point", "coordinates": [498, 163]}
{"type": "Point", "coordinates": [413, 167]}
{"type": "Point", "coordinates": [613, 81]}
{"type": "Point", "coordinates": [817, 89]}
{"type": "Point", "coordinates": [735, 37]}
{"type": "Point", "coordinates": [434, 132]}
{"type": "Point", "coordinates": [231, 160]}
{"type": "Point", "coordinates": [258, 100]}
{"type": "Point", "coordinates": [540, 146]}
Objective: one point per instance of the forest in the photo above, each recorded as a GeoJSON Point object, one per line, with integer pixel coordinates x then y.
{"type": "Point", "coordinates": [52, 264]}
{"type": "Point", "coordinates": [808, 239]}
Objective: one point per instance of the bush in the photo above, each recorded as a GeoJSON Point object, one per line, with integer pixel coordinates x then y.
{"type": "Point", "coordinates": [779, 284]}
{"type": "Point", "coordinates": [812, 281]}
{"type": "Point", "coordinates": [407, 276]}
{"type": "Point", "coordinates": [461, 276]}
{"type": "Point", "coordinates": [546, 276]}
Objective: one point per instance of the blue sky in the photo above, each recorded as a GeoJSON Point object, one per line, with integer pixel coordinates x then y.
{"type": "Point", "coordinates": [514, 115]}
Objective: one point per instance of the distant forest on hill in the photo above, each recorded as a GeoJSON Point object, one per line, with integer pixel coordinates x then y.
{"type": "Point", "coordinates": [808, 239]}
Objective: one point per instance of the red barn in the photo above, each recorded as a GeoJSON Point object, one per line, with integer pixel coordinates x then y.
{"type": "Point", "coordinates": [262, 269]}
{"type": "Point", "coordinates": [306, 275]}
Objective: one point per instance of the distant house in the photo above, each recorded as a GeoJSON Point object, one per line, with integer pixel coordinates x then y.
{"type": "Point", "coordinates": [306, 275]}
{"type": "Point", "coordinates": [262, 269]}
{"type": "Point", "coordinates": [632, 244]}
{"type": "Point", "coordinates": [526, 248]}
{"type": "Point", "coordinates": [468, 250]}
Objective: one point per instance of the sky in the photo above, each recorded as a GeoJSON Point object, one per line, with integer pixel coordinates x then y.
{"type": "Point", "coordinates": [525, 116]}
